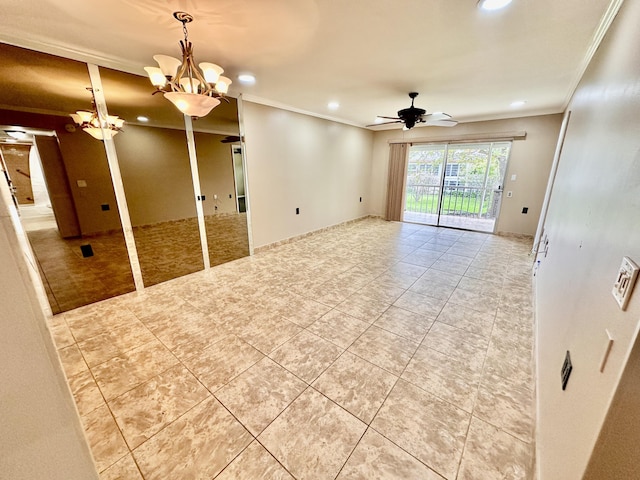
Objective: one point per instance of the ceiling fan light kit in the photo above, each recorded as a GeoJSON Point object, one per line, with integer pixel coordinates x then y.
{"type": "Point", "coordinates": [194, 91]}
{"type": "Point", "coordinates": [412, 115]}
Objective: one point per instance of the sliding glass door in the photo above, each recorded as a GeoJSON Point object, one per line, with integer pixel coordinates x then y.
{"type": "Point", "coordinates": [456, 185]}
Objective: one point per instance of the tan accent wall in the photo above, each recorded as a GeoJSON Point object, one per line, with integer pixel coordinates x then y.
{"type": "Point", "coordinates": [298, 161]}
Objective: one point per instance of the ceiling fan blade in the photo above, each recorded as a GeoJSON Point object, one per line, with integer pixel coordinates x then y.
{"type": "Point", "coordinates": [441, 123]}
{"type": "Point", "coordinates": [390, 118]}
{"type": "Point", "coordinates": [436, 116]}
{"type": "Point", "coordinates": [383, 123]}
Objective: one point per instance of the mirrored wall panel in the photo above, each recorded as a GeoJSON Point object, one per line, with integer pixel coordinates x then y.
{"type": "Point", "coordinates": [220, 163]}
{"type": "Point", "coordinates": [60, 178]}
{"type": "Point", "coordinates": [154, 163]}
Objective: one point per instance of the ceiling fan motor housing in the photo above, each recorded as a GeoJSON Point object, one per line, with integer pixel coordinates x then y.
{"type": "Point", "coordinates": [411, 115]}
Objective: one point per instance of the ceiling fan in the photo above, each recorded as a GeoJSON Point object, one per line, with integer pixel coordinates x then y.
{"type": "Point", "coordinates": [412, 115]}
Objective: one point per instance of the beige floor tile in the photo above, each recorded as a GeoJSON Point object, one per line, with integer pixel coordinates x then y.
{"type": "Point", "coordinates": [363, 308]}
{"type": "Point", "coordinates": [507, 405]}
{"type": "Point", "coordinates": [432, 288]}
{"type": "Point", "coordinates": [259, 394]}
{"type": "Point", "coordinates": [397, 279]}
{"type": "Point", "coordinates": [331, 293]}
{"type": "Point", "coordinates": [60, 332]}
{"type": "Point", "coordinates": [495, 275]}
{"type": "Point", "coordinates": [405, 323]}
{"type": "Point", "coordinates": [510, 362]}
{"type": "Point", "coordinates": [444, 278]}
{"type": "Point", "coordinates": [268, 332]}
{"type": "Point", "coordinates": [444, 377]}
{"type": "Point", "coordinates": [491, 454]}
{"type": "Point", "coordinates": [105, 440]}
{"type": "Point", "coordinates": [219, 363]}
{"type": "Point", "coordinates": [105, 346]}
{"type": "Point", "coordinates": [122, 373]}
{"type": "Point", "coordinates": [482, 287]}
{"type": "Point", "coordinates": [467, 319]}
{"type": "Point", "coordinates": [428, 428]}
{"type": "Point", "coordinates": [198, 445]}
{"type": "Point", "coordinates": [384, 349]}
{"type": "Point", "coordinates": [314, 437]}
{"type": "Point", "coordinates": [148, 408]}
{"type": "Point", "coordinates": [72, 361]}
{"type": "Point", "coordinates": [376, 458]}
{"type": "Point", "coordinates": [338, 328]}
{"type": "Point", "coordinates": [306, 355]}
{"type": "Point", "coordinates": [446, 266]}
{"type": "Point", "coordinates": [420, 304]}
{"type": "Point", "coordinates": [180, 326]}
{"type": "Point", "coordinates": [381, 290]}
{"type": "Point", "coordinates": [408, 269]}
{"type": "Point", "coordinates": [458, 343]}
{"type": "Point", "coordinates": [303, 311]}
{"type": "Point", "coordinates": [475, 301]}
{"type": "Point", "coordinates": [123, 469]}
{"type": "Point", "coordinates": [92, 320]}
{"type": "Point", "coordinates": [85, 392]}
{"type": "Point", "coordinates": [255, 463]}
{"type": "Point", "coordinates": [422, 257]}
{"type": "Point", "coordinates": [356, 385]}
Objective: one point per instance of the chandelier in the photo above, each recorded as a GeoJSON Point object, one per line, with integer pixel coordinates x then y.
{"type": "Point", "coordinates": [194, 93]}
{"type": "Point", "coordinates": [89, 121]}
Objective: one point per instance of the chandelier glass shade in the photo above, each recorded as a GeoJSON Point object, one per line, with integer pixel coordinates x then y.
{"type": "Point", "coordinates": [89, 121]}
{"type": "Point", "coordinates": [194, 91]}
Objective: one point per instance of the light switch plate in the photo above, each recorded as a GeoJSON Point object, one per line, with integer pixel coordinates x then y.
{"type": "Point", "coordinates": [625, 280]}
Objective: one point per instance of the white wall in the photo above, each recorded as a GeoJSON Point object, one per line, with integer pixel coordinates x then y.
{"type": "Point", "coordinates": [530, 161]}
{"type": "Point", "coordinates": [40, 432]}
{"type": "Point", "coordinates": [593, 221]}
{"type": "Point", "coordinates": [298, 161]}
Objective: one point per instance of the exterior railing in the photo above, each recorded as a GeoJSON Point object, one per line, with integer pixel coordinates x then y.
{"type": "Point", "coordinates": [476, 202]}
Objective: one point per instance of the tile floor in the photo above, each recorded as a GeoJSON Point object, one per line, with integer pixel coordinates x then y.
{"type": "Point", "coordinates": [71, 280]}
{"type": "Point", "coordinates": [375, 350]}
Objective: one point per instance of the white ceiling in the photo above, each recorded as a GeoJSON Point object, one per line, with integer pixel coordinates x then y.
{"type": "Point", "coordinates": [365, 54]}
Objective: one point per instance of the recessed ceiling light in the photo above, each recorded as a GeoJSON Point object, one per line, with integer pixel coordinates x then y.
{"type": "Point", "coordinates": [493, 4]}
{"type": "Point", "coordinates": [518, 103]}
{"type": "Point", "coordinates": [333, 105]}
{"type": "Point", "coordinates": [247, 78]}
{"type": "Point", "coordinates": [143, 119]}
{"type": "Point", "coordinates": [379, 120]}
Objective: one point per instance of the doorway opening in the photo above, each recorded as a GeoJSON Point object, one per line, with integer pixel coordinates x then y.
{"type": "Point", "coordinates": [456, 185]}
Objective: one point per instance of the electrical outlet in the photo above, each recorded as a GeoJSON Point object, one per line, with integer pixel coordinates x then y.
{"type": "Point", "coordinates": [509, 194]}
{"type": "Point", "coordinates": [625, 280]}
{"type": "Point", "coordinates": [297, 211]}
